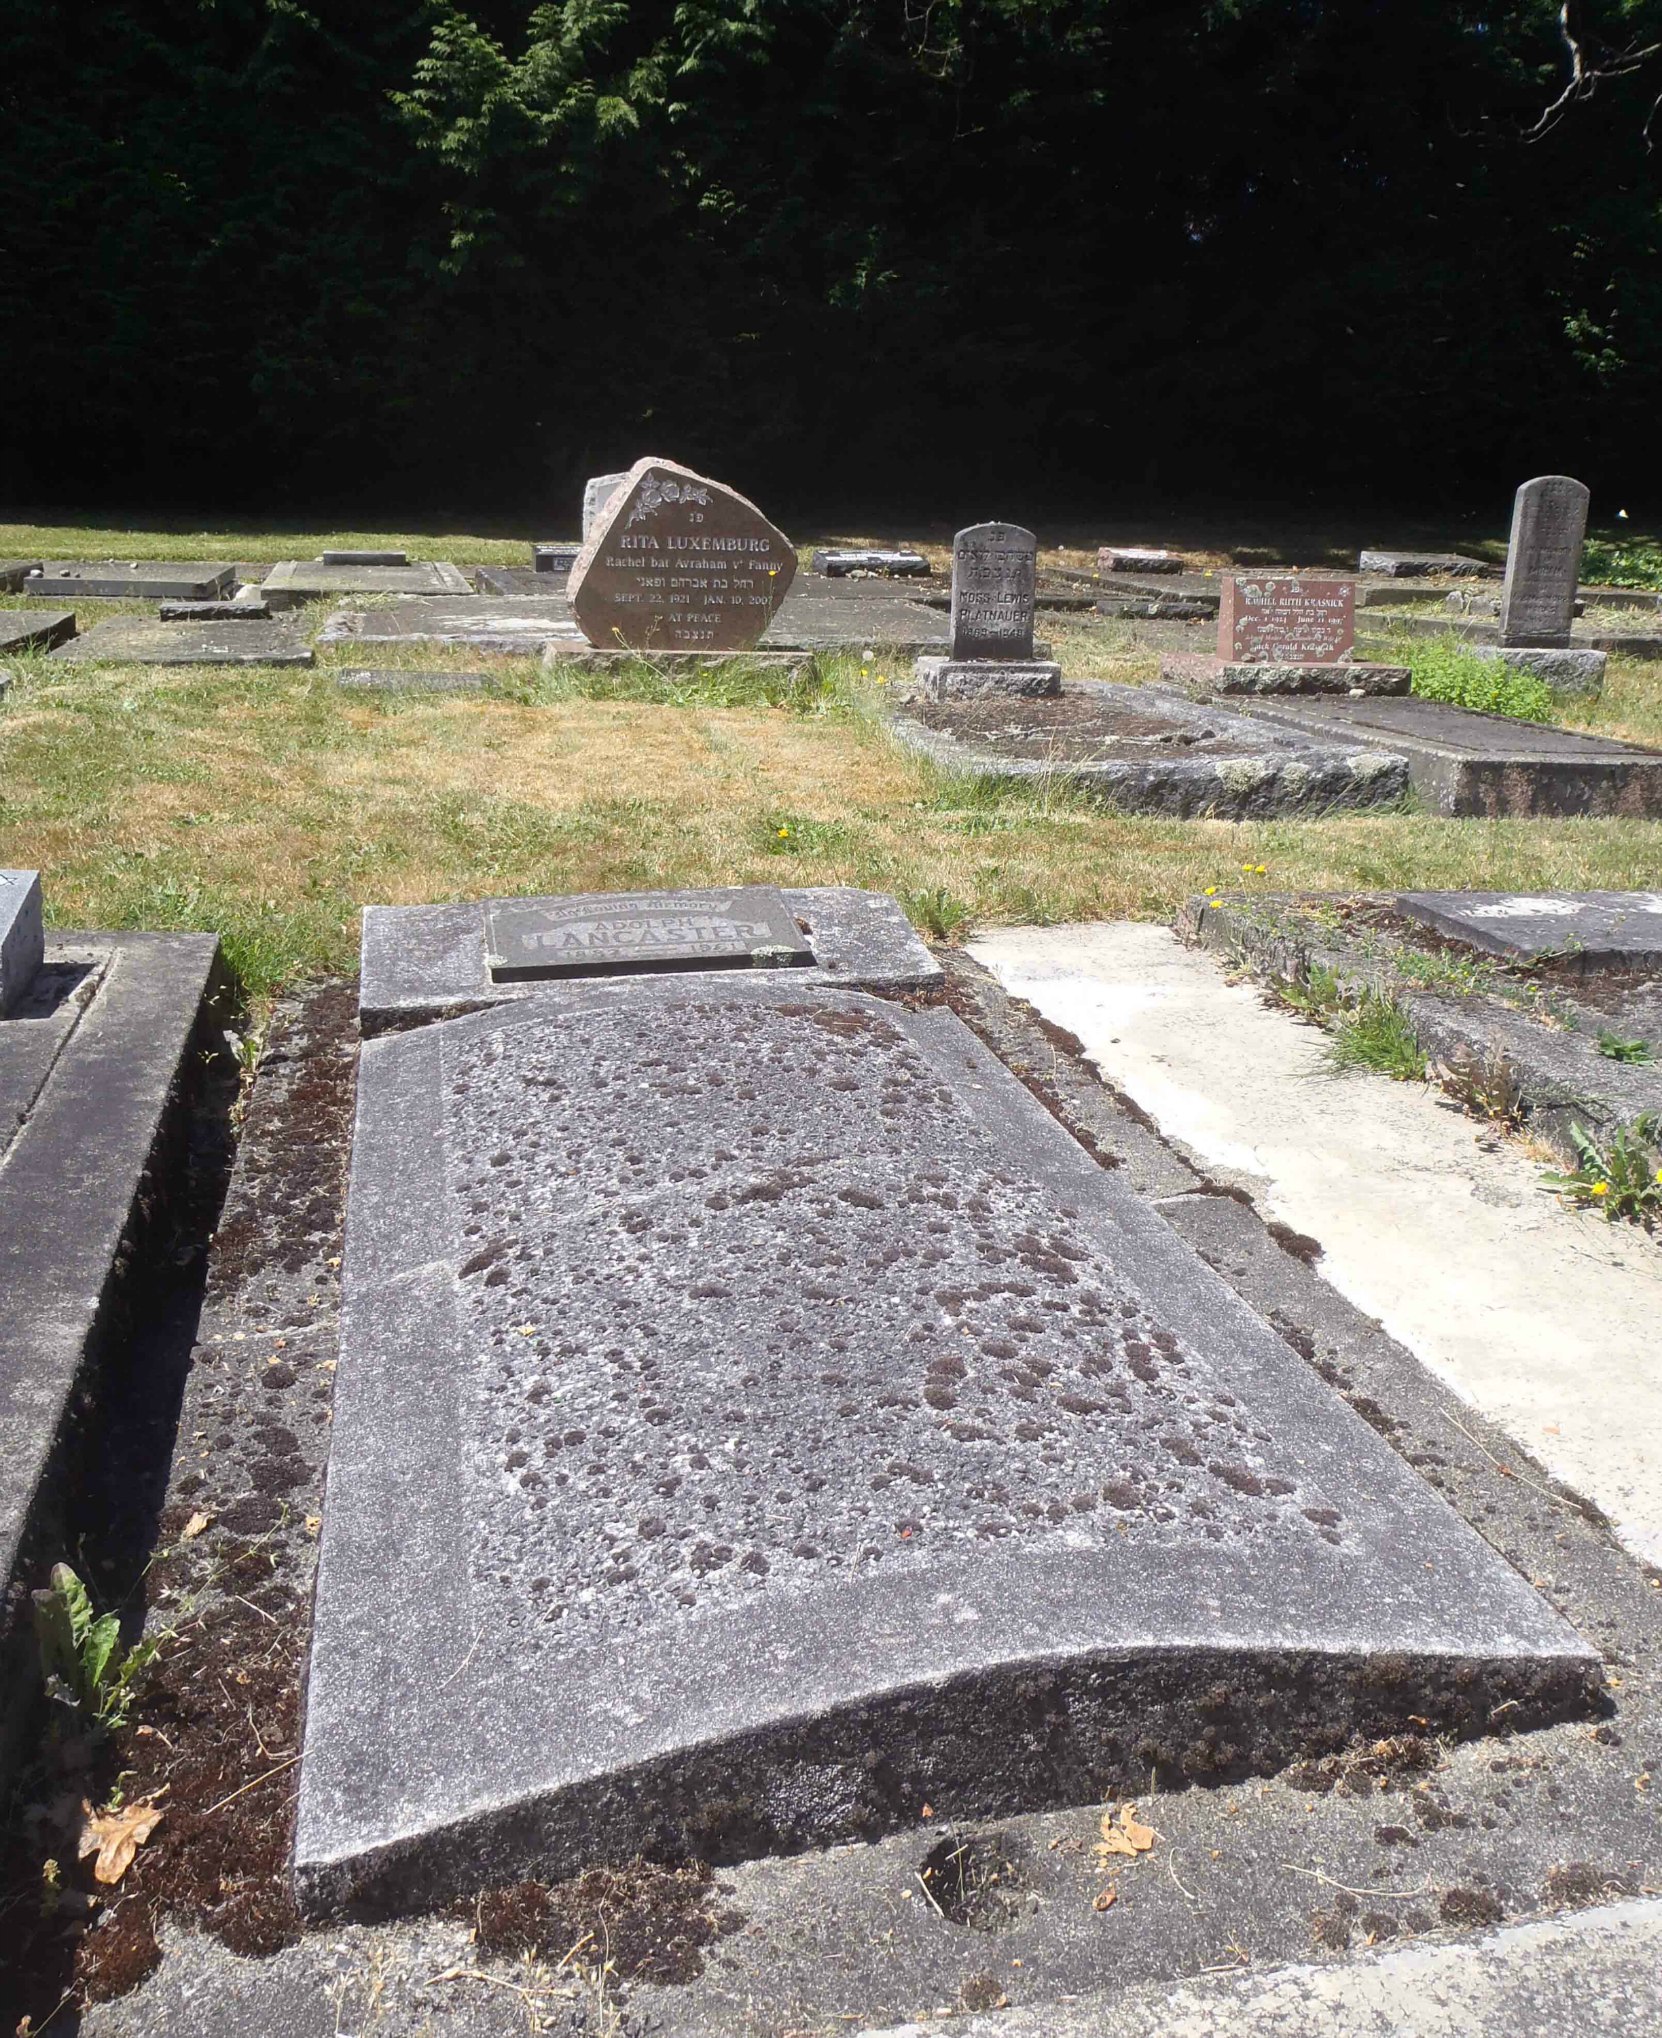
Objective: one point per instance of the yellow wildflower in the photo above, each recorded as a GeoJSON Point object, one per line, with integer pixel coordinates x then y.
{"type": "Point", "coordinates": [1601, 1189]}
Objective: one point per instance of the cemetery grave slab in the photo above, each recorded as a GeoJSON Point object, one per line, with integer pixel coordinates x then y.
{"type": "Point", "coordinates": [1202, 677]}
{"type": "Point", "coordinates": [1593, 930]}
{"type": "Point", "coordinates": [22, 934]}
{"type": "Point", "coordinates": [1462, 762]}
{"type": "Point", "coordinates": [836, 562]}
{"type": "Point", "coordinates": [292, 581]}
{"type": "Point", "coordinates": [233, 611]}
{"type": "Point", "coordinates": [519, 581]}
{"type": "Point", "coordinates": [364, 558]}
{"type": "Point", "coordinates": [14, 572]}
{"type": "Point", "coordinates": [1005, 1441]}
{"type": "Point", "coordinates": [1138, 559]}
{"type": "Point", "coordinates": [136, 640]}
{"type": "Point", "coordinates": [35, 629]}
{"type": "Point", "coordinates": [131, 580]}
{"type": "Point", "coordinates": [1151, 751]}
{"type": "Point", "coordinates": [98, 1054]}
{"type": "Point", "coordinates": [433, 962]}
{"type": "Point", "coordinates": [511, 626]}
{"type": "Point", "coordinates": [1425, 565]}
{"type": "Point", "coordinates": [1524, 1025]}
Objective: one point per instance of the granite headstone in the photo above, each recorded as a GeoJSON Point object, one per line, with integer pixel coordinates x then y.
{"type": "Point", "coordinates": [1275, 619]}
{"type": "Point", "coordinates": [598, 490]}
{"type": "Point", "coordinates": [993, 573]}
{"type": "Point", "coordinates": [1543, 561]}
{"type": "Point", "coordinates": [678, 562]}
{"type": "Point", "coordinates": [623, 934]}
{"type": "Point", "coordinates": [22, 934]}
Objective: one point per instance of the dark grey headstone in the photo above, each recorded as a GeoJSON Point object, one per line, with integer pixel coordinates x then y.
{"type": "Point", "coordinates": [837, 562]}
{"type": "Point", "coordinates": [132, 580]}
{"type": "Point", "coordinates": [35, 629]}
{"type": "Point", "coordinates": [1601, 930]}
{"type": "Point", "coordinates": [1543, 561]}
{"type": "Point", "coordinates": [993, 567]}
{"type": "Point", "coordinates": [364, 558]}
{"type": "Point", "coordinates": [604, 934]}
{"type": "Point", "coordinates": [550, 555]}
{"type": "Point", "coordinates": [598, 490]}
{"type": "Point", "coordinates": [751, 1402]}
{"type": "Point", "coordinates": [22, 934]}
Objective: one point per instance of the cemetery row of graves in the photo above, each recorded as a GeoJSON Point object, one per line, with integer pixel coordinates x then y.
{"type": "Point", "coordinates": [665, 1454]}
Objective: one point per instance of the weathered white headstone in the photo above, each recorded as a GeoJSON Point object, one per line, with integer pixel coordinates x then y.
{"type": "Point", "coordinates": [597, 492]}
{"type": "Point", "coordinates": [1543, 561]}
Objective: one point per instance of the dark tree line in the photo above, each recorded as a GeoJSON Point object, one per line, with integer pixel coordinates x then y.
{"type": "Point", "coordinates": [260, 253]}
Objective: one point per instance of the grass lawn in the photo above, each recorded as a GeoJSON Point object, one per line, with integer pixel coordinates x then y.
{"type": "Point", "coordinates": [270, 806]}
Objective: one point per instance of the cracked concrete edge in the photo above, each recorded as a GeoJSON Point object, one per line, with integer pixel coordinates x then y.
{"type": "Point", "coordinates": [1599, 1973]}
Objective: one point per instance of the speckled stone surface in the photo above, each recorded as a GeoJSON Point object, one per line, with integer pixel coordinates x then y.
{"type": "Point", "coordinates": [1603, 930]}
{"type": "Point", "coordinates": [756, 1419]}
{"type": "Point", "coordinates": [432, 962]}
{"type": "Point", "coordinates": [22, 934]}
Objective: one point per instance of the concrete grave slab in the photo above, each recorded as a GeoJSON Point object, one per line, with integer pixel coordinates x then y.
{"type": "Point", "coordinates": [22, 935]}
{"type": "Point", "coordinates": [132, 580]}
{"type": "Point", "coordinates": [364, 558]}
{"type": "Point", "coordinates": [1424, 565]}
{"type": "Point", "coordinates": [1148, 750]}
{"type": "Point", "coordinates": [511, 626]}
{"type": "Point", "coordinates": [14, 572]}
{"type": "Point", "coordinates": [1462, 762]}
{"type": "Point", "coordinates": [519, 582]}
{"type": "Point", "coordinates": [292, 581]}
{"type": "Point", "coordinates": [134, 640]}
{"type": "Point", "coordinates": [432, 962]}
{"type": "Point", "coordinates": [1138, 559]}
{"type": "Point", "coordinates": [92, 1079]}
{"type": "Point", "coordinates": [1203, 677]}
{"type": "Point", "coordinates": [35, 629]}
{"type": "Point", "coordinates": [1598, 930]}
{"type": "Point", "coordinates": [1005, 1442]}
{"type": "Point", "coordinates": [234, 611]}
{"type": "Point", "coordinates": [605, 934]}
{"type": "Point", "coordinates": [889, 564]}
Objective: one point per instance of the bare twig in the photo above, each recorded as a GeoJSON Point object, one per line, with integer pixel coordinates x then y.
{"type": "Point", "coordinates": [1315, 1875]}
{"type": "Point", "coordinates": [253, 1784]}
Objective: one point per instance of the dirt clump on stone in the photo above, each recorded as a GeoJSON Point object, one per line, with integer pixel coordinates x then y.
{"type": "Point", "coordinates": [643, 1922]}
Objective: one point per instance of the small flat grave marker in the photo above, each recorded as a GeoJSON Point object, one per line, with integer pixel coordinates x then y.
{"type": "Point", "coordinates": [1419, 565]}
{"type": "Point", "coordinates": [22, 934]}
{"type": "Point", "coordinates": [134, 640]}
{"type": "Point", "coordinates": [1543, 561]}
{"type": "Point", "coordinates": [1137, 559]}
{"type": "Point", "coordinates": [35, 629]}
{"type": "Point", "coordinates": [1279, 620]}
{"type": "Point", "coordinates": [237, 611]}
{"type": "Point", "coordinates": [132, 580]}
{"type": "Point", "coordinates": [364, 558]}
{"type": "Point", "coordinates": [630, 934]}
{"type": "Point", "coordinates": [836, 563]}
{"type": "Point", "coordinates": [553, 555]}
{"type": "Point", "coordinates": [679, 562]}
{"type": "Point", "coordinates": [1598, 930]}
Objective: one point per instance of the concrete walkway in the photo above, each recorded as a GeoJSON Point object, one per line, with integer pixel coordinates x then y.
{"type": "Point", "coordinates": [1548, 1320]}
{"type": "Point", "coordinates": [1595, 1975]}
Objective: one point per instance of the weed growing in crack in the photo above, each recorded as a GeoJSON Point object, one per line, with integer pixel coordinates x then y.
{"type": "Point", "coordinates": [1623, 1179]}
{"type": "Point", "coordinates": [1376, 1034]}
{"type": "Point", "coordinates": [1616, 1048]}
{"type": "Point", "coordinates": [82, 1663]}
{"type": "Point", "coordinates": [937, 912]}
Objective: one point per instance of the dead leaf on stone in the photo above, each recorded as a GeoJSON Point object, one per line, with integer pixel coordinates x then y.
{"type": "Point", "coordinates": [1122, 1834]}
{"type": "Point", "coordinates": [115, 1837]}
{"type": "Point", "coordinates": [1105, 1899]}
{"type": "Point", "coordinates": [194, 1527]}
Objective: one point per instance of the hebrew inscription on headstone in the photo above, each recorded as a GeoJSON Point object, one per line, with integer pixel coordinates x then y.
{"type": "Point", "coordinates": [993, 569]}
{"type": "Point", "coordinates": [677, 562]}
{"type": "Point", "coordinates": [625, 933]}
{"type": "Point", "coordinates": [1543, 561]}
{"type": "Point", "coordinates": [1279, 620]}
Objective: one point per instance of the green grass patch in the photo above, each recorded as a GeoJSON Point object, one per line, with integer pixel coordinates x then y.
{"type": "Point", "coordinates": [1375, 1034]}
{"type": "Point", "coordinates": [1445, 670]}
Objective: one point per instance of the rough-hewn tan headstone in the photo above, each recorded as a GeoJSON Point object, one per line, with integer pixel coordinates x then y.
{"type": "Point", "coordinates": [677, 562]}
{"type": "Point", "coordinates": [1543, 561]}
{"type": "Point", "coordinates": [1279, 620]}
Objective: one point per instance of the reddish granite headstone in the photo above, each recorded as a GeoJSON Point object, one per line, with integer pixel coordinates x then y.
{"type": "Point", "coordinates": [1277, 620]}
{"type": "Point", "coordinates": [677, 562]}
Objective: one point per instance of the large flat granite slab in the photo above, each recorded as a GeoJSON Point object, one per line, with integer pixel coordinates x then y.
{"type": "Point", "coordinates": [511, 626]}
{"type": "Point", "coordinates": [132, 579]}
{"type": "Point", "coordinates": [1462, 762]}
{"type": "Point", "coordinates": [435, 962]}
{"type": "Point", "coordinates": [301, 580]}
{"type": "Point", "coordinates": [1149, 750]}
{"type": "Point", "coordinates": [34, 629]}
{"type": "Point", "coordinates": [1599, 930]}
{"type": "Point", "coordinates": [757, 1420]}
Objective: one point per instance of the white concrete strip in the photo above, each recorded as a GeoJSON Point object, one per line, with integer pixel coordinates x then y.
{"type": "Point", "coordinates": [1547, 1319]}
{"type": "Point", "coordinates": [1594, 1975]}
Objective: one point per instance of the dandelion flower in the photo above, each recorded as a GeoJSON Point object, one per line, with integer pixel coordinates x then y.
{"type": "Point", "coordinates": [1214, 902]}
{"type": "Point", "coordinates": [783, 834]}
{"type": "Point", "coordinates": [1601, 1189]}
{"type": "Point", "coordinates": [1210, 889]}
